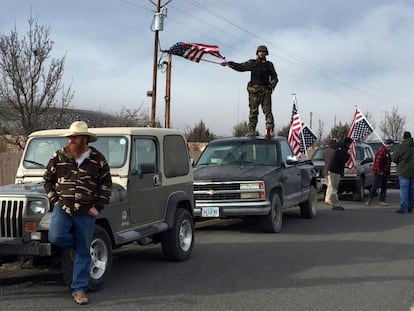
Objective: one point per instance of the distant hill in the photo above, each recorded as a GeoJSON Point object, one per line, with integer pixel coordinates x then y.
{"type": "Point", "coordinates": [58, 118]}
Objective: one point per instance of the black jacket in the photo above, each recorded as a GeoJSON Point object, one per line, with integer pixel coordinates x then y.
{"type": "Point", "coordinates": [340, 157]}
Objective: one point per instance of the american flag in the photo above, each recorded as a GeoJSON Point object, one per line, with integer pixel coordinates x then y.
{"type": "Point", "coordinates": [294, 130]}
{"type": "Point", "coordinates": [308, 138]}
{"type": "Point", "coordinates": [194, 51]}
{"type": "Point", "coordinates": [359, 129]}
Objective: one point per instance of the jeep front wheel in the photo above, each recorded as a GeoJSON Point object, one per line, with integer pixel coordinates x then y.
{"type": "Point", "coordinates": [101, 260]}
{"type": "Point", "coordinates": [177, 242]}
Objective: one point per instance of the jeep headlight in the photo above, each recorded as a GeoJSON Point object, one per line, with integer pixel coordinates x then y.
{"type": "Point", "coordinates": [37, 207]}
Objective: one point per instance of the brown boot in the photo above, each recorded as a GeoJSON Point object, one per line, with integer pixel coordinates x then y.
{"type": "Point", "coordinates": [80, 298]}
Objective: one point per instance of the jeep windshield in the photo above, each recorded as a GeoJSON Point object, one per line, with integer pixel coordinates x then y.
{"type": "Point", "coordinates": [239, 153]}
{"type": "Point", "coordinates": [40, 149]}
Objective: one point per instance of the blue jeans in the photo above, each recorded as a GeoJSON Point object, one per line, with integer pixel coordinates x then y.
{"type": "Point", "coordinates": [406, 193]}
{"type": "Point", "coordinates": [74, 232]}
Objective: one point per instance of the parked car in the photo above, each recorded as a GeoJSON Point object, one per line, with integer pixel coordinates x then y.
{"type": "Point", "coordinates": [253, 177]}
{"type": "Point", "coordinates": [353, 181]}
{"type": "Point", "coordinates": [376, 145]}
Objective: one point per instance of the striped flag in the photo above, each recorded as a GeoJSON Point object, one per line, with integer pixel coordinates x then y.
{"type": "Point", "coordinates": [294, 130]}
{"type": "Point", "coordinates": [194, 51]}
{"type": "Point", "coordinates": [360, 128]}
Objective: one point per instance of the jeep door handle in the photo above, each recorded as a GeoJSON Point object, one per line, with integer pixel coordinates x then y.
{"type": "Point", "coordinates": [156, 180]}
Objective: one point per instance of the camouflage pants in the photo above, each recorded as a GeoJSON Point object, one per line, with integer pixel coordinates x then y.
{"type": "Point", "coordinates": [256, 100]}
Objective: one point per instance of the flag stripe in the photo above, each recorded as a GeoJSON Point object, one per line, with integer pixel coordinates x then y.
{"type": "Point", "coordinates": [295, 127]}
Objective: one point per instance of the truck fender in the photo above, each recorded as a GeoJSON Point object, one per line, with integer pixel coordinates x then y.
{"type": "Point", "coordinates": [174, 201]}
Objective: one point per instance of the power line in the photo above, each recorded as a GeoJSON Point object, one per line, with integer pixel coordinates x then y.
{"type": "Point", "coordinates": [288, 55]}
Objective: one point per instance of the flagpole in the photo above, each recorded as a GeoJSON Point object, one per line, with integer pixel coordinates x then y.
{"type": "Point", "coordinates": [210, 61]}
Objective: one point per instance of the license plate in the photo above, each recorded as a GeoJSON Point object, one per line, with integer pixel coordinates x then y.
{"type": "Point", "coordinates": [210, 212]}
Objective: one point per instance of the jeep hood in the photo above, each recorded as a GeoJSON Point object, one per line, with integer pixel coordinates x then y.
{"type": "Point", "coordinates": [229, 173]}
{"type": "Point", "coordinates": [17, 189]}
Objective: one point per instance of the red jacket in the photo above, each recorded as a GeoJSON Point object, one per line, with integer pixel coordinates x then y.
{"type": "Point", "coordinates": [382, 162]}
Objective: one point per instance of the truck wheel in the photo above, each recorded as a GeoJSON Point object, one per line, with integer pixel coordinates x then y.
{"type": "Point", "coordinates": [177, 242]}
{"type": "Point", "coordinates": [272, 223]}
{"type": "Point", "coordinates": [101, 260]}
{"type": "Point", "coordinates": [358, 192]}
{"type": "Point", "coordinates": [308, 209]}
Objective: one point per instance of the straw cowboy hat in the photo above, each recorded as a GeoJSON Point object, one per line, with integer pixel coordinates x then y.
{"type": "Point", "coordinates": [80, 128]}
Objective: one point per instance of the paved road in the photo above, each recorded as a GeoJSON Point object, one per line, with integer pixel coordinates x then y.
{"type": "Point", "coordinates": [358, 259]}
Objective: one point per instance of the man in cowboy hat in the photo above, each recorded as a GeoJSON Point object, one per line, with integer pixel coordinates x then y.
{"type": "Point", "coordinates": [78, 184]}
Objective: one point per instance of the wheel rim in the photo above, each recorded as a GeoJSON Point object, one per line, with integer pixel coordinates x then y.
{"type": "Point", "coordinates": [99, 258]}
{"type": "Point", "coordinates": [185, 235]}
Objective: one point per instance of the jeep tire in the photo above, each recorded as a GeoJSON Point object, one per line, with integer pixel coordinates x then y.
{"type": "Point", "coordinates": [177, 242]}
{"type": "Point", "coordinates": [101, 260]}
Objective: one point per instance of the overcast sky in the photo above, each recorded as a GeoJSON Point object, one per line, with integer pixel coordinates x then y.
{"type": "Point", "coordinates": [334, 55]}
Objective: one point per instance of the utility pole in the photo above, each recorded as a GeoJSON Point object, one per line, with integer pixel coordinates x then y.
{"type": "Point", "coordinates": [310, 119]}
{"type": "Point", "coordinates": [158, 26]}
{"type": "Point", "coordinates": [168, 92]}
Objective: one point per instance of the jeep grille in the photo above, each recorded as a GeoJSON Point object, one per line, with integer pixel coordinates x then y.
{"type": "Point", "coordinates": [11, 222]}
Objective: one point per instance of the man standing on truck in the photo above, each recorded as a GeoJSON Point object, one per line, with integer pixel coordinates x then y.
{"type": "Point", "coordinates": [78, 184]}
{"type": "Point", "coordinates": [263, 80]}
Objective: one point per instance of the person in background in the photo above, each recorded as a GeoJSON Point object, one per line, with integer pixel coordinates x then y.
{"type": "Point", "coordinates": [263, 80]}
{"type": "Point", "coordinates": [327, 158]}
{"type": "Point", "coordinates": [78, 184]}
{"type": "Point", "coordinates": [381, 170]}
{"type": "Point", "coordinates": [403, 156]}
{"type": "Point", "coordinates": [336, 170]}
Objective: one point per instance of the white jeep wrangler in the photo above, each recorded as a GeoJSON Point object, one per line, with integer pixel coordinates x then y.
{"type": "Point", "coordinates": [152, 198]}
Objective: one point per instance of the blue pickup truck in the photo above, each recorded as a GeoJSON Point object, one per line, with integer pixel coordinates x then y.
{"type": "Point", "coordinates": [253, 177]}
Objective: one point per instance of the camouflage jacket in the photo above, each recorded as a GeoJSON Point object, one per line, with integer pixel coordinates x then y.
{"type": "Point", "coordinates": [77, 189]}
{"type": "Point", "coordinates": [263, 72]}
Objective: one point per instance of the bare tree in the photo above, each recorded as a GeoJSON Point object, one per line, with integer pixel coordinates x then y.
{"type": "Point", "coordinates": [340, 131]}
{"type": "Point", "coordinates": [284, 131]}
{"type": "Point", "coordinates": [199, 133]}
{"type": "Point", "coordinates": [393, 125]}
{"type": "Point", "coordinates": [320, 129]}
{"type": "Point", "coordinates": [133, 117]}
{"type": "Point", "coordinates": [30, 83]}
{"type": "Point", "coordinates": [240, 129]}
